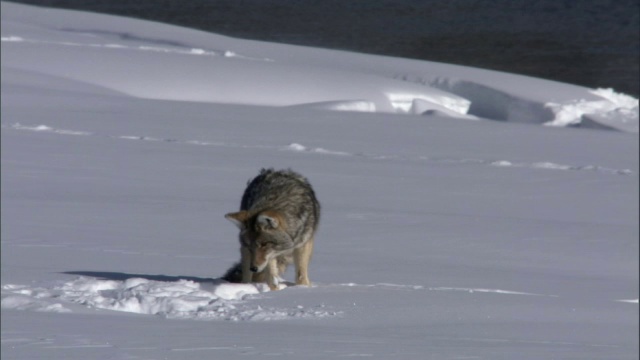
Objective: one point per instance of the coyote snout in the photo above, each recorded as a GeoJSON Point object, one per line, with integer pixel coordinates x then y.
{"type": "Point", "coordinates": [278, 218]}
{"type": "Point", "coordinates": [260, 257]}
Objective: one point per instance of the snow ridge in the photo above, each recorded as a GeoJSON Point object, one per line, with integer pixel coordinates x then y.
{"type": "Point", "coordinates": [115, 46]}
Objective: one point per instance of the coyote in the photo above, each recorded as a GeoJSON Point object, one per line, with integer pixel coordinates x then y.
{"type": "Point", "coordinates": [278, 217]}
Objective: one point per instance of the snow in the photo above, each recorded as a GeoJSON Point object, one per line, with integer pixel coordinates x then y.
{"type": "Point", "coordinates": [444, 235]}
{"type": "Point", "coordinates": [182, 299]}
{"type": "Point", "coordinates": [618, 110]}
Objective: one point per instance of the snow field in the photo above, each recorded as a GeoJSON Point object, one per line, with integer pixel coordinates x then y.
{"type": "Point", "coordinates": [443, 235]}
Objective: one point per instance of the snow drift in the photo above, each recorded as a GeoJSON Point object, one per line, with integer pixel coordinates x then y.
{"type": "Point", "coordinates": [211, 68]}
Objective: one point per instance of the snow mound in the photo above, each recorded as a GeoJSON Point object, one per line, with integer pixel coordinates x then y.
{"type": "Point", "coordinates": [618, 99]}
{"type": "Point", "coordinates": [566, 105]}
{"type": "Point", "coordinates": [183, 299]}
{"type": "Point", "coordinates": [614, 111]}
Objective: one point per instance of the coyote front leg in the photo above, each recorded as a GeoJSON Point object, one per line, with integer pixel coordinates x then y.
{"type": "Point", "coordinates": [301, 258]}
{"type": "Point", "coordinates": [245, 260]}
{"type": "Point", "coordinates": [273, 277]}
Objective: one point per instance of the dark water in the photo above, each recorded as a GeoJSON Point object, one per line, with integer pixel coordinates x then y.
{"type": "Point", "coordinates": [594, 43]}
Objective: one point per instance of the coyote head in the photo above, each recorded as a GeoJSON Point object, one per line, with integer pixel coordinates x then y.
{"type": "Point", "coordinates": [263, 235]}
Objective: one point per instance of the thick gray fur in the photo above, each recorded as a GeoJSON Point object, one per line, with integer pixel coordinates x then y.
{"type": "Point", "coordinates": [291, 195]}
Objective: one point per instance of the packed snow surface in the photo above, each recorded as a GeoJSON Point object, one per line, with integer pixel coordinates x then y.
{"type": "Point", "coordinates": [444, 235]}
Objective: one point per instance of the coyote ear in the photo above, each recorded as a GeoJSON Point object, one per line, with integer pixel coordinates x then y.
{"type": "Point", "coordinates": [265, 220]}
{"type": "Point", "coordinates": [238, 218]}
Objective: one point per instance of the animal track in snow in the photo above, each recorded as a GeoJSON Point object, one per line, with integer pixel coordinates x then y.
{"type": "Point", "coordinates": [554, 166]}
{"type": "Point", "coordinates": [299, 148]}
{"type": "Point", "coordinates": [491, 291]}
{"type": "Point", "coordinates": [45, 128]}
{"type": "Point", "coordinates": [188, 299]}
{"type": "Point", "coordinates": [457, 289]}
{"type": "Point", "coordinates": [631, 301]}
